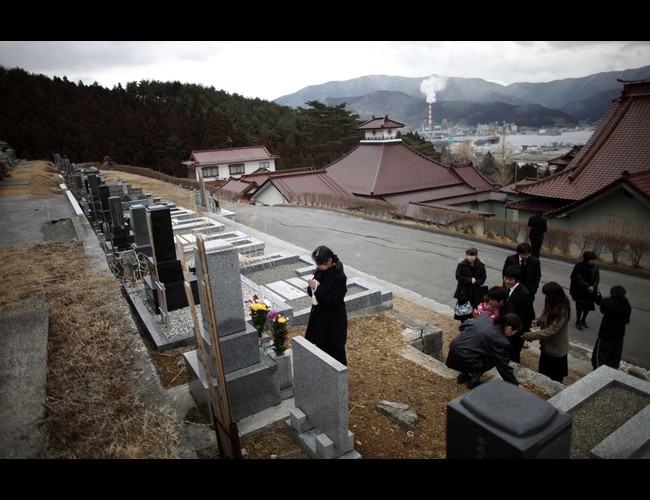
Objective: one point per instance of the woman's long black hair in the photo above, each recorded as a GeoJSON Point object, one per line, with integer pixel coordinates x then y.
{"type": "Point", "coordinates": [322, 254]}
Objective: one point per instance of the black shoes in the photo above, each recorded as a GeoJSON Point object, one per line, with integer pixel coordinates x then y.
{"type": "Point", "coordinates": [470, 380]}
{"type": "Point", "coordinates": [584, 324]}
{"type": "Point", "coordinates": [476, 380]}
{"type": "Point", "coordinates": [578, 325]}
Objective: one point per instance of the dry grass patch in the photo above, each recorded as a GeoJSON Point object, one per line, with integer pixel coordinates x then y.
{"type": "Point", "coordinates": [95, 390]}
{"type": "Point", "coordinates": [43, 178]}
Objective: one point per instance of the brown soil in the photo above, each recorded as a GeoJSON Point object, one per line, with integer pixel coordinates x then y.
{"type": "Point", "coordinates": [377, 372]}
{"type": "Point", "coordinates": [94, 407]}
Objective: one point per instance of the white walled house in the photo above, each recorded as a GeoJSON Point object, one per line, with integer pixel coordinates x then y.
{"type": "Point", "coordinates": [221, 164]}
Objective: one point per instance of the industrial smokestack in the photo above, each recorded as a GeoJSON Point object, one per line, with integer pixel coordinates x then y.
{"type": "Point", "coordinates": [429, 87]}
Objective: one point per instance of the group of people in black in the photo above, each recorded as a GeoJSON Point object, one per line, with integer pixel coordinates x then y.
{"type": "Point", "coordinates": [503, 318]}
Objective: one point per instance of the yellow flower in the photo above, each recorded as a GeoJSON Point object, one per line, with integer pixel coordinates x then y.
{"type": "Point", "coordinates": [282, 319]}
{"type": "Point", "coordinates": [257, 306]}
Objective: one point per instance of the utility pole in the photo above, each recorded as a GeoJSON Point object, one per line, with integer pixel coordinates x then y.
{"type": "Point", "coordinates": [504, 150]}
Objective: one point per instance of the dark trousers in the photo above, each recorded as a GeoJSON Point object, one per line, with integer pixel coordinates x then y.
{"type": "Point", "coordinates": [338, 355]}
{"type": "Point", "coordinates": [516, 345]}
{"type": "Point", "coordinates": [536, 246]}
{"type": "Point", "coordinates": [554, 368]}
{"type": "Point", "coordinates": [607, 352]}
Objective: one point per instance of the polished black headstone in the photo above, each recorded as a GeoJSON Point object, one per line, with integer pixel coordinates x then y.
{"type": "Point", "coordinates": [104, 194]}
{"type": "Point", "coordinates": [162, 234]}
{"type": "Point", "coordinates": [501, 420]}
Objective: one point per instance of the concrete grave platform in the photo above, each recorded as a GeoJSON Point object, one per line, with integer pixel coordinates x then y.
{"type": "Point", "coordinates": [632, 438]}
{"type": "Point", "coordinates": [23, 369]}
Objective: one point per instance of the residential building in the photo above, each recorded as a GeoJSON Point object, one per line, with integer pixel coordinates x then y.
{"type": "Point", "coordinates": [606, 186]}
{"type": "Point", "coordinates": [383, 167]}
{"type": "Point", "coordinates": [221, 164]}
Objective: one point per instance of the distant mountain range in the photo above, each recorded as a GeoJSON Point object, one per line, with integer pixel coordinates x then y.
{"type": "Point", "coordinates": [469, 101]}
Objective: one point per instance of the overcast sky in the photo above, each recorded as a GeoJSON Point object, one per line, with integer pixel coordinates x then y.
{"type": "Point", "coordinates": [269, 70]}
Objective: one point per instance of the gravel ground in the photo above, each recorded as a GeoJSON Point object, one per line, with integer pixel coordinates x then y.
{"type": "Point", "coordinates": [59, 231]}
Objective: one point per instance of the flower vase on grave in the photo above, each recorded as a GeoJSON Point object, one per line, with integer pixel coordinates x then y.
{"type": "Point", "coordinates": [279, 332]}
{"type": "Point", "coordinates": [284, 374]}
{"type": "Point", "coordinates": [265, 341]}
{"type": "Point", "coordinates": [259, 311]}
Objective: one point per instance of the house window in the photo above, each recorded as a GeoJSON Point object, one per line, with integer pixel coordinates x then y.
{"type": "Point", "coordinates": [236, 168]}
{"type": "Point", "coordinates": [211, 172]}
{"type": "Point", "coordinates": [264, 164]}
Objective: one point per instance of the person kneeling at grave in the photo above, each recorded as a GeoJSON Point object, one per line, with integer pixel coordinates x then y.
{"type": "Point", "coordinates": [482, 345]}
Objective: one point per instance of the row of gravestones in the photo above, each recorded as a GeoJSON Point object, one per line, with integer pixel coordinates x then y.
{"type": "Point", "coordinates": [494, 420]}
{"type": "Point", "coordinates": [257, 379]}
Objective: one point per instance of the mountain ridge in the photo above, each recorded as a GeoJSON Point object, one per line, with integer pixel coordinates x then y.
{"type": "Point", "coordinates": [563, 102]}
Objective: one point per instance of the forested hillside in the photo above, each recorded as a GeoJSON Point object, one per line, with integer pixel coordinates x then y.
{"type": "Point", "coordinates": [157, 124]}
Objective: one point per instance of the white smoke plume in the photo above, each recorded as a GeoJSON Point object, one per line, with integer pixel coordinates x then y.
{"type": "Point", "coordinates": [431, 85]}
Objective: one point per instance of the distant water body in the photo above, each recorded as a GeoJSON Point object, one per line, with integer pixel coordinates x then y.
{"type": "Point", "coordinates": [571, 138]}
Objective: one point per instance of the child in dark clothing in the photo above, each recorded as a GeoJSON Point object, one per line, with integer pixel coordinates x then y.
{"type": "Point", "coordinates": [616, 311]}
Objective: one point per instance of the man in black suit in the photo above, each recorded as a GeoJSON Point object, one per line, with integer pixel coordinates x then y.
{"type": "Point", "coordinates": [529, 266]}
{"type": "Point", "coordinates": [520, 302]}
{"type": "Point", "coordinates": [538, 227]}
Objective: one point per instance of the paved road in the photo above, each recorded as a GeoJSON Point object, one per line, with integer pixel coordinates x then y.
{"type": "Point", "coordinates": [424, 262]}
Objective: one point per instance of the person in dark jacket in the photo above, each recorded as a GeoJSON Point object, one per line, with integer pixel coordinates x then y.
{"type": "Point", "coordinates": [327, 326]}
{"type": "Point", "coordinates": [585, 278]}
{"type": "Point", "coordinates": [481, 345]}
{"type": "Point", "coordinates": [616, 311]}
{"type": "Point", "coordinates": [538, 227]}
{"type": "Point", "coordinates": [529, 266]}
{"type": "Point", "coordinates": [520, 301]}
{"type": "Point", "coordinates": [471, 276]}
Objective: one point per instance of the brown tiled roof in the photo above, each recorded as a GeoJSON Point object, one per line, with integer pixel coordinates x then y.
{"type": "Point", "coordinates": [475, 197]}
{"type": "Point", "coordinates": [620, 144]}
{"type": "Point", "coordinates": [379, 168]}
{"type": "Point", "coordinates": [538, 205]}
{"type": "Point", "coordinates": [472, 177]}
{"type": "Point", "coordinates": [379, 123]}
{"type": "Point", "coordinates": [512, 188]}
{"type": "Point", "coordinates": [238, 185]}
{"type": "Point", "coordinates": [261, 175]}
{"type": "Point", "coordinates": [641, 182]}
{"type": "Point", "coordinates": [292, 186]}
{"type": "Point", "coordinates": [231, 155]}
{"type": "Point", "coordinates": [566, 158]}
{"type": "Point", "coordinates": [426, 195]}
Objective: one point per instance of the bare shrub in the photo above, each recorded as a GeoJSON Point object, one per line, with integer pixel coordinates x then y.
{"type": "Point", "coordinates": [147, 172]}
{"type": "Point", "coordinates": [466, 223]}
{"type": "Point", "coordinates": [505, 228]}
{"type": "Point", "coordinates": [515, 229]}
{"type": "Point", "coordinates": [496, 226]}
{"type": "Point", "coordinates": [231, 196]}
{"type": "Point", "coordinates": [374, 207]}
{"type": "Point", "coordinates": [432, 215]}
{"type": "Point", "coordinates": [559, 239]}
{"type": "Point", "coordinates": [637, 248]}
{"type": "Point", "coordinates": [593, 241]}
{"type": "Point", "coordinates": [615, 244]}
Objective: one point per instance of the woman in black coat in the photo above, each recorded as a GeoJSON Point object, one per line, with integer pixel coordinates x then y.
{"type": "Point", "coordinates": [327, 327]}
{"type": "Point", "coordinates": [585, 278]}
{"type": "Point", "coordinates": [471, 276]}
{"type": "Point", "coordinates": [616, 311]}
